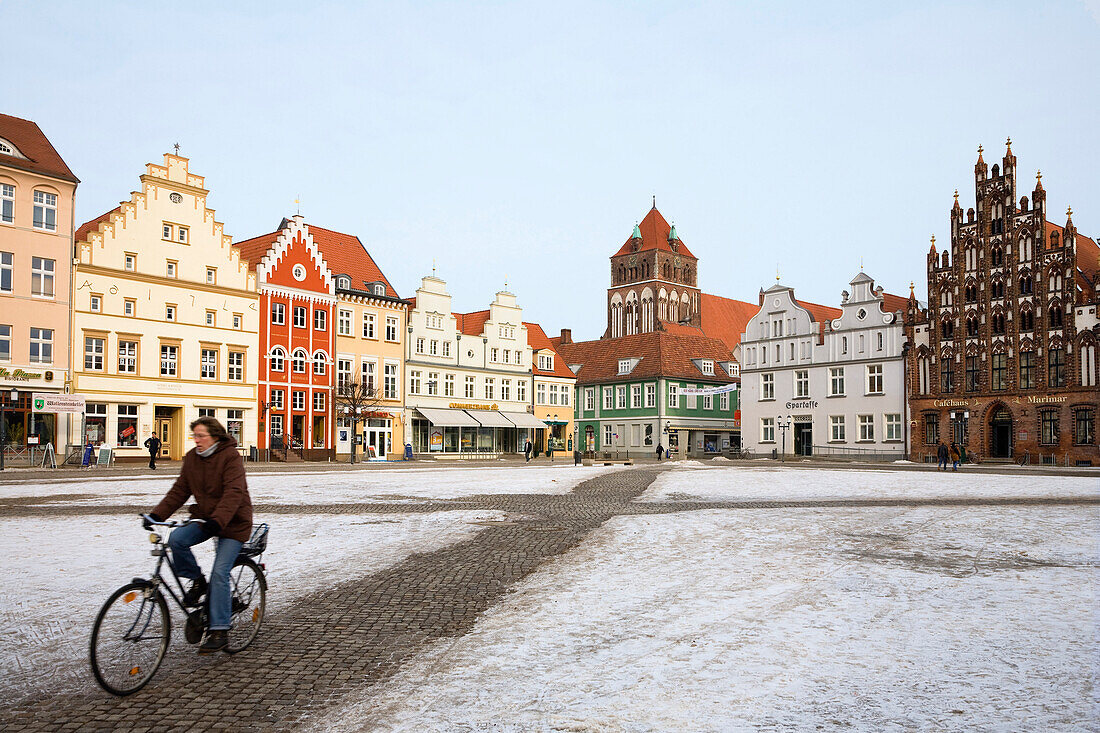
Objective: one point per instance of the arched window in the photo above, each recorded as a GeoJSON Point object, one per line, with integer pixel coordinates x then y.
{"type": "Point", "coordinates": [1027, 285]}
{"type": "Point", "coordinates": [998, 323]}
{"type": "Point", "coordinates": [1055, 314]}
{"type": "Point", "coordinates": [997, 289]}
{"type": "Point", "coordinates": [972, 326]}
{"type": "Point", "coordinates": [971, 293]}
{"type": "Point", "coordinates": [1027, 320]}
{"type": "Point", "coordinates": [277, 357]}
{"type": "Point", "coordinates": [320, 363]}
{"type": "Point", "coordinates": [1026, 252]}
{"type": "Point", "coordinates": [947, 328]}
{"type": "Point", "coordinates": [997, 257]}
{"type": "Point", "coordinates": [298, 361]}
{"type": "Point", "coordinates": [1054, 240]}
{"type": "Point", "coordinates": [1055, 282]}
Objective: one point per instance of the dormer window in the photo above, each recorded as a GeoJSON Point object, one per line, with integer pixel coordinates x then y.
{"type": "Point", "coordinates": [344, 283]}
{"type": "Point", "coordinates": [546, 362]}
{"type": "Point", "coordinates": [379, 288]}
{"type": "Point", "coordinates": [625, 366]}
{"type": "Point", "coordinates": [8, 149]}
{"type": "Point", "coordinates": [707, 366]}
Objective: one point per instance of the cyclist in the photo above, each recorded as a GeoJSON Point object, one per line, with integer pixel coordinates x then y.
{"type": "Point", "coordinates": [213, 473]}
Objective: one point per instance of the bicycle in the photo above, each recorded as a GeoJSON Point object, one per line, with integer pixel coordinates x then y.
{"type": "Point", "coordinates": [131, 633]}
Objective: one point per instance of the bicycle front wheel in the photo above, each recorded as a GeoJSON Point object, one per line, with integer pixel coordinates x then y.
{"type": "Point", "coordinates": [129, 638]}
{"type": "Point", "coordinates": [249, 588]}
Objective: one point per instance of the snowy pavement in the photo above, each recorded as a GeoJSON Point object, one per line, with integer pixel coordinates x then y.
{"type": "Point", "coordinates": [870, 619]}
{"type": "Point", "coordinates": [321, 487]}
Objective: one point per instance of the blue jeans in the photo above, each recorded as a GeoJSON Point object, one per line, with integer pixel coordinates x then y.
{"type": "Point", "coordinates": [180, 543]}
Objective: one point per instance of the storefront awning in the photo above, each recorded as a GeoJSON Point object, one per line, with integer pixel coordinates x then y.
{"type": "Point", "coordinates": [490, 419]}
{"type": "Point", "coordinates": [444, 417]}
{"type": "Point", "coordinates": [524, 420]}
{"type": "Point", "coordinates": [555, 422]}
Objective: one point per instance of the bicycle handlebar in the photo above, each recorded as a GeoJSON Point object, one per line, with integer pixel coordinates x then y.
{"type": "Point", "coordinates": [175, 523]}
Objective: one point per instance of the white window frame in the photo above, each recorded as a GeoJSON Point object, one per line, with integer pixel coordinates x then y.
{"type": "Point", "coordinates": [836, 382]}
{"type": "Point", "coordinates": [369, 331]}
{"type": "Point", "coordinates": [589, 399]}
{"type": "Point", "coordinates": [94, 348]}
{"type": "Point", "coordinates": [767, 430]}
{"type": "Point", "coordinates": [208, 363]}
{"type": "Point", "coordinates": [319, 401]}
{"type": "Point", "coordinates": [866, 428]}
{"type": "Point", "coordinates": [41, 345]}
{"type": "Point", "coordinates": [5, 342]}
{"type": "Point", "coordinates": [277, 403]}
{"type": "Point", "coordinates": [650, 395]}
{"type": "Point", "coordinates": [837, 429]}
{"type": "Point", "coordinates": [674, 396]}
{"type": "Point", "coordinates": [874, 379]}
{"type": "Point", "coordinates": [45, 211]}
{"type": "Point", "coordinates": [320, 319]}
{"type": "Point", "coordinates": [7, 203]}
{"type": "Point", "coordinates": [389, 381]}
{"type": "Point", "coordinates": [211, 276]}
{"type": "Point", "coordinates": [391, 328]}
{"type": "Point", "coordinates": [608, 398]}
{"type": "Point", "coordinates": [620, 397]}
{"type": "Point", "coordinates": [343, 322]}
{"type": "Point", "coordinates": [298, 400]}
{"type": "Point", "coordinates": [801, 382]}
{"type": "Point", "coordinates": [278, 314]}
{"type": "Point", "coordinates": [767, 386]}
{"type": "Point", "coordinates": [635, 396]}
{"type": "Point", "coordinates": [301, 316]}
{"type": "Point", "coordinates": [708, 367]}
{"type": "Point", "coordinates": [7, 272]}
{"type": "Point", "coordinates": [234, 369]}
{"type": "Point", "coordinates": [42, 277]}
{"type": "Point", "coordinates": [891, 426]}
{"type": "Point", "coordinates": [624, 366]}
{"type": "Point", "coordinates": [169, 360]}
{"type": "Point", "coordinates": [127, 356]}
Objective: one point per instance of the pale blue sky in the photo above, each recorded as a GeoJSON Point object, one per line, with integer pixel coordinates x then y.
{"type": "Point", "coordinates": [523, 140]}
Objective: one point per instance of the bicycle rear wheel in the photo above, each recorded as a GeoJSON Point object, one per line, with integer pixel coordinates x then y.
{"type": "Point", "coordinates": [129, 638]}
{"type": "Point", "coordinates": [249, 589]}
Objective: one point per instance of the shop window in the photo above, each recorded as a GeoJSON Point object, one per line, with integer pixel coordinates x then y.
{"type": "Point", "coordinates": [127, 426]}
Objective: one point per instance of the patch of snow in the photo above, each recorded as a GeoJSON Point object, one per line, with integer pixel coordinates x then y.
{"type": "Point", "coordinates": [752, 483]}
{"type": "Point", "coordinates": [58, 571]}
{"type": "Point", "coordinates": [919, 618]}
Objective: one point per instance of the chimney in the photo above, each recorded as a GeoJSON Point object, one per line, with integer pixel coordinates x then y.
{"type": "Point", "coordinates": [566, 336]}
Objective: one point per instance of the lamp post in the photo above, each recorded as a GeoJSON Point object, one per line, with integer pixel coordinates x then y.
{"type": "Point", "coordinates": [784, 424]}
{"type": "Point", "coordinates": [264, 407]}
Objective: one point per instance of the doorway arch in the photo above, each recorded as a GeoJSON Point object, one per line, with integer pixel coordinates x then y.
{"type": "Point", "coordinates": [1000, 432]}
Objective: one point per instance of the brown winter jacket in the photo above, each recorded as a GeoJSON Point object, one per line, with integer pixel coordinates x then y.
{"type": "Point", "coordinates": [219, 488]}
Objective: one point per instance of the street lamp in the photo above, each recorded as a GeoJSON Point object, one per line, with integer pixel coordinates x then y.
{"type": "Point", "coordinates": [784, 424]}
{"type": "Point", "coordinates": [265, 406]}
{"type": "Point", "coordinates": [4, 423]}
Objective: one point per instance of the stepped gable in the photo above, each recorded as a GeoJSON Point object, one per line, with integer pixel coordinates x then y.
{"type": "Point", "coordinates": [654, 231]}
{"type": "Point", "coordinates": [253, 250]}
{"type": "Point", "coordinates": [1088, 257]}
{"type": "Point", "coordinates": [36, 153]}
{"type": "Point", "coordinates": [661, 354]}
{"type": "Point", "coordinates": [88, 227]}
{"type": "Point", "coordinates": [538, 341]}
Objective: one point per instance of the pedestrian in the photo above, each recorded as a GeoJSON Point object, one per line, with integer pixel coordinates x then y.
{"type": "Point", "coordinates": [212, 473]}
{"type": "Point", "coordinates": [941, 454]}
{"type": "Point", "coordinates": [660, 452]}
{"type": "Point", "coordinates": [956, 456]}
{"type": "Point", "coordinates": [576, 457]}
{"type": "Point", "coordinates": [550, 449]}
{"type": "Point", "coordinates": [962, 454]}
{"type": "Point", "coordinates": [152, 444]}
{"type": "Point", "coordinates": [527, 451]}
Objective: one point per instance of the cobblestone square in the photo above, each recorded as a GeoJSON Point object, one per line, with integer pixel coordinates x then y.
{"type": "Point", "coordinates": [691, 597]}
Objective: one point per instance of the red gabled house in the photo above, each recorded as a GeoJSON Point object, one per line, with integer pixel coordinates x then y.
{"type": "Point", "coordinates": [297, 339]}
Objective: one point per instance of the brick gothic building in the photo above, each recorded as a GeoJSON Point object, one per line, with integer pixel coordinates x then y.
{"type": "Point", "coordinates": [1004, 358]}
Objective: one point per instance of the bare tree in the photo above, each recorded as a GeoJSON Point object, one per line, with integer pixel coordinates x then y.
{"type": "Point", "coordinates": [356, 399]}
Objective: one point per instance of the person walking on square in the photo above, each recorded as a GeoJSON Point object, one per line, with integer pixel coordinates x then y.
{"type": "Point", "coordinates": [660, 452]}
{"type": "Point", "coordinates": [941, 454]}
{"type": "Point", "coordinates": [212, 473]}
{"type": "Point", "coordinates": [956, 456]}
{"type": "Point", "coordinates": [550, 449]}
{"type": "Point", "coordinates": [152, 444]}
{"type": "Point", "coordinates": [527, 451]}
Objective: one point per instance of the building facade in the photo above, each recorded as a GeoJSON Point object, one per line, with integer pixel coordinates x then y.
{"type": "Point", "coordinates": [370, 340]}
{"type": "Point", "coordinates": [467, 377]}
{"type": "Point", "coordinates": [165, 319]}
{"type": "Point", "coordinates": [297, 342]}
{"type": "Point", "coordinates": [37, 191]}
{"type": "Point", "coordinates": [825, 381]}
{"type": "Point", "coordinates": [1004, 357]}
{"type": "Point", "coordinates": [664, 371]}
{"type": "Point", "coordinates": [553, 394]}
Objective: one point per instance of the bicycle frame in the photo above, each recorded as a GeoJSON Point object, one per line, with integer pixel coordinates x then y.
{"type": "Point", "coordinates": [157, 580]}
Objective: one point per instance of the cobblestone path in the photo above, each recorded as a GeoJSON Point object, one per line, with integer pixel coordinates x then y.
{"type": "Point", "coordinates": [359, 632]}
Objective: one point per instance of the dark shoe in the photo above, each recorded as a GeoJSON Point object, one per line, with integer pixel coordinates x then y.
{"type": "Point", "coordinates": [215, 641]}
{"type": "Point", "coordinates": [195, 593]}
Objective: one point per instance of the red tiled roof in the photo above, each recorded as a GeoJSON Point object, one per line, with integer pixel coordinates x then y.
{"type": "Point", "coordinates": [655, 231]}
{"type": "Point", "coordinates": [537, 340]}
{"type": "Point", "coordinates": [821, 313]}
{"type": "Point", "coordinates": [724, 318]}
{"type": "Point", "coordinates": [29, 140]}
{"type": "Point", "coordinates": [344, 253]}
{"type": "Point", "coordinates": [892, 303]}
{"type": "Point", "coordinates": [472, 324]}
{"type": "Point", "coordinates": [93, 226]}
{"type": "Point", "coordinates": [662, 354]}
{"type": "Point", "coordinates": [1088, 256]}
{"type": "Point", "coordinates": [253, 250]}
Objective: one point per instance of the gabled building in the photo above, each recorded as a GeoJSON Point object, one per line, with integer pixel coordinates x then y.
{"type": "Point", "coordinates": [165, 319]}
{"type": "Point", "coordinates": [825, 381]}
{"type": "Point", "coordinates": [370, 341]}
{"type": "Point", "coordinates": [37, 191]}
{"type": "Point", "coordinates": [664, 371]}
{"type": "Point", "coordinates": [297, 340]}
{"type": "Point", "coordinates": [553, 395]}
{"type": "Point", "coordinates": [468, 376]}
{"type": "Point", "coordinates": [1004, 358]}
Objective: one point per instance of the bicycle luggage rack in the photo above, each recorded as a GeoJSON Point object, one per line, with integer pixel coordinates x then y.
{"type": "Point", "coordinates": [257, 543]}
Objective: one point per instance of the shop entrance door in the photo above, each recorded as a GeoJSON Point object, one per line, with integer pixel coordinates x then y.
{"type": "Point", "coordinates": [164, 419]}
{"type": "Point", "coordinates": [1000, 434]}
{"type": "Point", "coordinates": [804, 438]}
{"type": "Point", "coordinates": [297, 437]}
{"type": "Point", "coordinates": [376, 443]}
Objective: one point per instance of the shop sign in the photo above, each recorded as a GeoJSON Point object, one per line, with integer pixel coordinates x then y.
{"type": "Point", "coordinates": [18, 375]}
{"type": "Point", "coordinates": [952, 403]}
{"type": "Point", "coordinates": [468, 406]}
{"type": "Point", "coordinates": [435, 440]}
{"type": "Point", "coordinates": [708, 390]}
{"type": "Point", "coordinates": [803, 418]}
{"type": "Point", "coordinates": [802, 405]}
{"type": "Point", "coordinates": [54, 402]}
{"type": "Point", "coordinates": [1032, 399]}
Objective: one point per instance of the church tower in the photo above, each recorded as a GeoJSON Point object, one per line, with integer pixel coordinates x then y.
{"type": "Point", "coordinates": [653, 280]}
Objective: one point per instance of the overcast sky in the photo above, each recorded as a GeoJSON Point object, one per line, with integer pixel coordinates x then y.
{"type": "Point", "coordinates": [522, 141]}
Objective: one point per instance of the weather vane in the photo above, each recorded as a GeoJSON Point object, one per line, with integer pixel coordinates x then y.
{"type": "Point", "coordinates": [177, 147]}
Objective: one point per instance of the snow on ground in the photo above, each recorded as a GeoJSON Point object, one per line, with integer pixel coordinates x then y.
{"type": "Point", "coordinates": [332, 487]}
{"type": "Point", "coordinates": [883, 619]}
{"type": "Point", "coordinates": [59, 571]}
{"type": "Point", "coordinates": [790, 483]}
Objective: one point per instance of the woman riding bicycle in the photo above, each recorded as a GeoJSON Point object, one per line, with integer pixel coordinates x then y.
{"type": "Point", "coordinates": [213, 473]}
